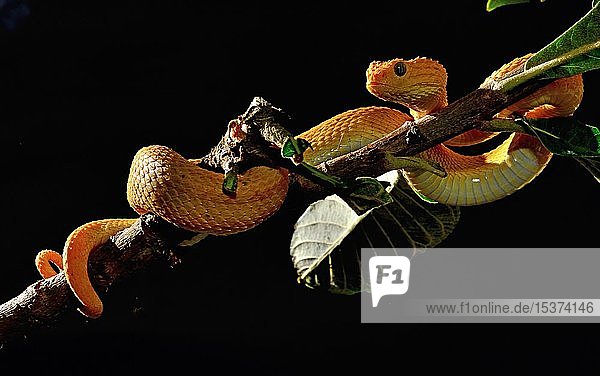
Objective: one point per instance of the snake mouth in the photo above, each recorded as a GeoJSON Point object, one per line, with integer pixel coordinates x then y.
{"type": "Point", "coordinates": [384, 91]}
{"type": "Point", "coordinates": [375, 84]}
{"type": "Point", "coordinates": [375, 88]}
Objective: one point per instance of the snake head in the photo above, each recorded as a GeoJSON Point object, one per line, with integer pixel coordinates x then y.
{"type": "Point", "coordinates": [419, 84]}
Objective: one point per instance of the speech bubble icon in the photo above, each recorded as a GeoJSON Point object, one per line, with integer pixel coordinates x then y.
{"type": "Point", "coordinates": [389, 275]}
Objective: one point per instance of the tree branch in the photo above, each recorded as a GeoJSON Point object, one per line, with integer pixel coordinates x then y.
{"type": "Point", "coordinates": [474, 110]}
{"type": "Point", "coordinates": [151, 240]}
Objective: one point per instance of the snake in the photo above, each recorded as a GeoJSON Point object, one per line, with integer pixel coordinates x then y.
{"type": "Point", "coordinates": [179, 190]}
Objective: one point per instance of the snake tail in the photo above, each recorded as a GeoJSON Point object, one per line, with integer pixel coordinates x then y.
{"type": "Point", "coordinates": [43, 261]}
{"type": "Point", "coordinates": [74, 261]}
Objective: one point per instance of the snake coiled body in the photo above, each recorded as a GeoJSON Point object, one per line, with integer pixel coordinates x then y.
{"type": "Point", "coordinates": [163, 182]}
{"type": "Point", "coordinates": [479, 179]}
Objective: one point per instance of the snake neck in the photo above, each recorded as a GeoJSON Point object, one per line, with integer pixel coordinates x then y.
{"type": "Point", "coordinates": [418, 84]}
{"type": "Point", "coordinates": [435, 104]}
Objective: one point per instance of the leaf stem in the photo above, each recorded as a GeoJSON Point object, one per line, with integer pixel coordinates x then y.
{"type": "Point", "coordinates": [518, 79]}
{"type": "Point", "coordinates": [502, 125]}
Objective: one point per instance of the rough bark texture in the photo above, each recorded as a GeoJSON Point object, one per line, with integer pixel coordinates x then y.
{"type": "Point", "coordinates": [152, 240]}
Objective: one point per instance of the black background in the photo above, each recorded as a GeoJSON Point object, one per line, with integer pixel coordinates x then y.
{"type": "Point", "coordinates": [85, 86]}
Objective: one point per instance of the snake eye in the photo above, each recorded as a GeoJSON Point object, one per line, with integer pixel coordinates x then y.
{"type": "Point", "coordinates": [400, 69]}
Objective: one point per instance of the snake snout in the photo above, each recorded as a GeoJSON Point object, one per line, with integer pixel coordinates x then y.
{"type": "Point", "coordinates": [376, 79]}
{"type": "Point", "coordinates": [374, 72]}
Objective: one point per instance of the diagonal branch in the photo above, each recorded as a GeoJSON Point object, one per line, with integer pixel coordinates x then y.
{"type": "Point", "coordinates": [471, 111]}
{"type": "Point", "coordinates": [151, 240]}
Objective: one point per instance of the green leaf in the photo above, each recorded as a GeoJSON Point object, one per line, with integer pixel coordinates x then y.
{"type": "Point", "coordinates": [580, 64]}
{"type": "Point", "coordinates": [565, 136]}
{"type": "Point", "coordinates": [321, 177]}
{"type": "Point", "coordinates": [399, 163]}
{"type": "Point", "coordinates": [325, 247]}
{"type": "Point", "coordinates": [408, 221]}
{"type": "Point", "coordinates": [493, 4]}
{"type": "Point", "coordinates": [584, 33]}
{"type": "Point", "coordinates": [575, 51]}
{"type": "Point", "coordinates": [293, 147]}
{"type": "Point", "coordinates": [230, 182]}
{"type": "Point", "coordinates": [424, 198]}
{"type": "Point", "coordinates": [368, 193]}
{"type": "Point", "coordinates": [288, 150]}
{"type": "Point", "coordinates": [318, 232]}
{"type": "Point", "coordinates": [323, 227]}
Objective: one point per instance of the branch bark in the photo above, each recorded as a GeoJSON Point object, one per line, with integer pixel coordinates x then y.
{"type": "Point", "coordinates": [151, 240]}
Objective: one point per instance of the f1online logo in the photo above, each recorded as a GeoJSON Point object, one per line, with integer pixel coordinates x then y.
{"type": "Point", "coordinates": [389, 275]}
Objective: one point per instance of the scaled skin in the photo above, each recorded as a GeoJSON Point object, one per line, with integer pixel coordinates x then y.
{"type": "Point", "coordinates": [472, 180]}
{"type": "Point", "coordinates": [75, 259]}
{"type": "Point", "coordinates": [163, 182]}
